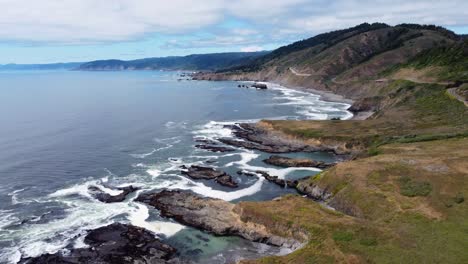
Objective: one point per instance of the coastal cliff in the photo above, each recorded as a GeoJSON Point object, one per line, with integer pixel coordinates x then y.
{"type": "Point", "coordinates": [399, 196]}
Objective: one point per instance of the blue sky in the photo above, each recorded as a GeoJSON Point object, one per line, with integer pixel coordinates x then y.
{"type": "Point", "coordinates": [44, 31]}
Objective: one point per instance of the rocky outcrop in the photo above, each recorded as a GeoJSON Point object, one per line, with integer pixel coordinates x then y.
{"type": "Point", "coordinates": [212, 146]}
{"type": "Point", "coordinates": [212, 215]}
{"type": "Point", "coordinates": [226, 180]}
{"type": "Point", "coordinates": [367, 104]}
{"type": "Point", "coordinates": [104, 197]}
{"type": "Point", "coordinates": [254, 137]}
{"type": "Point", "coordinates": [290, 162]}
{"type": "Point", "coordinates": [116, 243]}
{"type": "Point", "coordinates": [202, 173]}
{"type": "Point", "coordinates": [276, 180]}
{"type": "Point", "coordinates": [208, 173]}
{"type": "Point", "coordinates": [260, 86]}
{"type": "Point", "coordinates": [313, 191]}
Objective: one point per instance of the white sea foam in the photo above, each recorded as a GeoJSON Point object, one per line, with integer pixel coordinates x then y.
{"type": "Point", "coordinates": [37, 239]}
{"type": "Point", "coordinates": [83, 190]}
{"type": "Point", "coordinates": [309, 105]}
{"type": "Point", "coordinates": [144, 155]}
{"type": "Point", "coordinates": [213, 130]}
{"type": "Point", "coordinates": [14, 196]}
{"type": "Point", "coordinates": [200, 188]}
{"type": "Point", "coordinates": [249, 156]}
{"type": "Point", "coordinates": [82, 214]}
{"type": "Point", "coordinates": [7, 218]}
{"type": "Point", "coordinates": [138, 217]}
{"type": "Point", "coordinates": [175, 125]}
{"type": "Point", "coordinates": [154, 172]}
{"type": "Point", "coordinates": [172, 141]}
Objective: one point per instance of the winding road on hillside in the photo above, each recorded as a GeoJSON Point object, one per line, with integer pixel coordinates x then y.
{"type": "Point", "coordinates": [293, 71]}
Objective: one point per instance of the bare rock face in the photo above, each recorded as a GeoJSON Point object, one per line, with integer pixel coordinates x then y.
{"type": "Point", "coordinates": [104, 197]}
{"type": "Point", "coordinates": [116, 243]}
{"type": "Point", "coordinates": [208, 173]}
{"type": "Point", "coordinates": [257, 138]}
{"type": "Point", "coordinates": [260, 86]}
{"type": "Point", "coordinates": [227, 181]}
{"type": "Point", "coordinates": [313, 191]}
{"type": "Point", "coordinates": [290, 162]}
{"type": "Point", "coordinates": [278, 181]}
{"type": "Point", "coordinates": [212, 215]}
{"type": "Point", "coordinates": [203, 173]}
{"type": "Point", "coordinates": [212, 146]}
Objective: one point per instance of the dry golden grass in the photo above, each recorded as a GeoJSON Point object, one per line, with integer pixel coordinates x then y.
{"type": "Point", "coordinates": [391, 227]}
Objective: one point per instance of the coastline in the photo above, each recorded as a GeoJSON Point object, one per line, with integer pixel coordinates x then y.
{"type": "Point", "coordinates": [329, 96]}
{"type": "Point", "coordinates": [326, 96]}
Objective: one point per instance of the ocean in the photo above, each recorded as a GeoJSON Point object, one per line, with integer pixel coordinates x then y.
{"type": "Point", "coordinates": [63, 131]}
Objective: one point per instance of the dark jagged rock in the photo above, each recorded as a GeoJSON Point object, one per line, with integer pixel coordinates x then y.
{"type": "Point", "coordinates": [278, 181]}
{"type": "Point", "coordinates": [290, 162]}
{"type": "Point", "coordinates": [260, 86]}
{"type": "Point", "coordinates": [208, 173]}
{"type": "Point", "coordinates": [227, 181]}
{"type": "Point", "coordinates": [214, 148]}
{"type": "Point", "coordinates": [260, 139]}
{"type": "Point", "coordinates": [252, 145]}
{"type": "Point", "coordinates": [206, 141]}
{"type": "Point", "coordinates": [116, 243]}
{"type": "Point", "coordinates": [366, 104]}
{"type": "Point", "coordinates": [104, 197]}
{"type": "Point", "coordinates": [203, 173]}
{"type": "Point", "coordinates": [313, 191]}
{"type": "Point", "coordinates": [213, 215]}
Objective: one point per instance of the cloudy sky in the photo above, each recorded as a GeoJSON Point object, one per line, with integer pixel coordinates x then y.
{"type": "Point", "coordinates": [42, 31]}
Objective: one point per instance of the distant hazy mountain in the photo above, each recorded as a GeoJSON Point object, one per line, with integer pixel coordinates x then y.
{"type": "Point", "coordinates": [213, 61]}
{"type": "Point", "coordinates": [51, 66]}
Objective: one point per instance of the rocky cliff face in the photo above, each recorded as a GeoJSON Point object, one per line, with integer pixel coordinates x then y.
{"type": "Point", "coordinates": [213, 215]}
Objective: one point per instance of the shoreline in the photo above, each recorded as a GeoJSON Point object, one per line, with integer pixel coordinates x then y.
{"type": "Point", "coordinates": [324, 96]}
{"type": "Point", "coordinates": [328, 96]}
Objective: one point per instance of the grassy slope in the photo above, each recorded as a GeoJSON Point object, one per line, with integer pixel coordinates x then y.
{"type": "Point", "coordinates": [404, 195]}
{"type": "Point", "coordinates": [410, 199]}
{"type": "Point", "coordinates": [447, 63]}
{"type": "Point", "coordinates": [410, 112]}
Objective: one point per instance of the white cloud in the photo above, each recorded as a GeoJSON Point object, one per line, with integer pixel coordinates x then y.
{"type": "Point", "coordinates": [251, 49]}
{"type": "Point", "coordinates": [84, 21]}
{"type": "Point", "coordinates": [110, 20]}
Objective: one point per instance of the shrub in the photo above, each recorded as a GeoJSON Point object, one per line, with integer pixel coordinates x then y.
{"type": "Point", "coordinates": [373, 151]}
{"type": "Point", "coordinates": [370, 242]}
{"type": "Point", "coordinates": [342, 236]}
{"type": "Point", "coordinates": [459, 198]}
{"type": "Point", "coordinates": [411, 188]}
